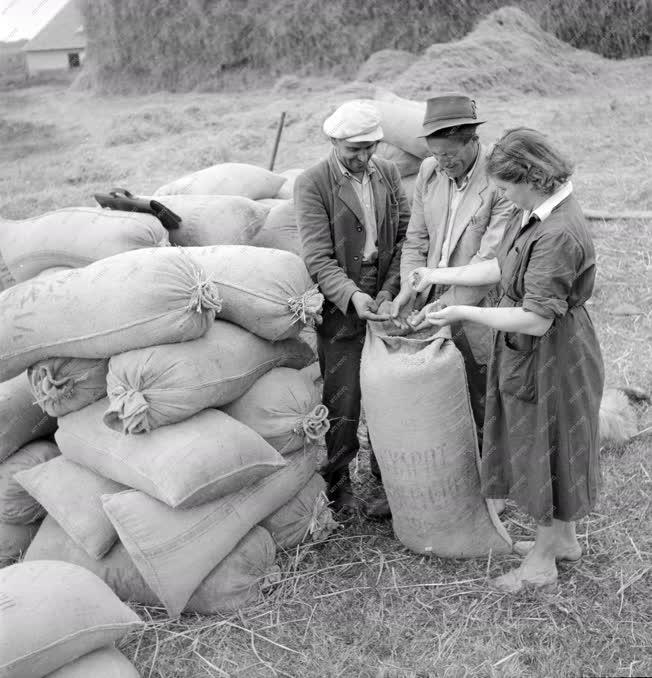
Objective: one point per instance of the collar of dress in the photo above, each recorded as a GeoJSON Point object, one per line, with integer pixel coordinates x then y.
{"type": "Point", "coordinates": [544, 210]}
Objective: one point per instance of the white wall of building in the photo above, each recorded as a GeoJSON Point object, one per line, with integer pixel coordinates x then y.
{"type": "Point", "coordinates": [50, 60]}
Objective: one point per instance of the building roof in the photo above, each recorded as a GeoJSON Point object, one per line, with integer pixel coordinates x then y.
{"type": "Point", "coordinates": [64, 31]}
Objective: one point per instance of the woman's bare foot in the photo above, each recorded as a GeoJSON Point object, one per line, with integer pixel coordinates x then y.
{"type": "Point", "coordinates": [570, 552]}
{"type": "Point", "coordinates": [534, 571]}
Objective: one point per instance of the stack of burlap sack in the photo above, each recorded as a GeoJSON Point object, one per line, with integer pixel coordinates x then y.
{"type": "Point", "coordinates": [147, 483]}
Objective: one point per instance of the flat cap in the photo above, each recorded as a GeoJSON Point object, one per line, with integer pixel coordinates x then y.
{"type": "Point", "coordinates": [354, 121]}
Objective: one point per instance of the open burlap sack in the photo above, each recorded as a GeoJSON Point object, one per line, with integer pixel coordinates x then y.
{"type": "Point", "coordinates": [416, 400]}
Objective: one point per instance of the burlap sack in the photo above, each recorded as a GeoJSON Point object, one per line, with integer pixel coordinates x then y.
{"type": "Point", "coordinates": [17, 505]}
{"type": "Point", "coordinates": [63, 385]}
{"type": "Point", "coordinates": [72, 495]}
{"type": "Point", "coordinates": [186, 464]}
{"type": "Point", "coordinates": [402, 123]}
{"type": "Point", "coordinates": [214, 219]}
{"type": "Point", "coordinates": [284, 407]}
{"type": "Point", "coordinates": [416, 400]}
{"type": "Point", "coordinates": [280, 230]}
{"type": "Point", "coordinates": [75, 237]}
{"type": "Point", "coordinates": [6, 279]}
{"type": "Point", "coordinates": [268, 292]}
{"type": "Point", "coordinates": [54, 613]}
{"type": "Point", "coordinates": [152, 387]}
{"type": "Point", "coordinates": [21, 419]}
{"type": "Point", "coordinates": [107, 662]}
{"type": "Point", "coordinates": [407, 163]}
{"type": "Point", "coordinates": [134, 299]}
{"type": "Point", "coordinates": [306, 517]}
{"type": "Point", "coordinates": [14, 540]}
{"type": "Point", "coordinates": [409, 184]}
{"type": "Point", "coordinates": [233, 584]}
{"type": "Point", "coordinates": [286, 192]}
{"type": "Point", "coordinates": [229, 178]}
{"type": "Point", "coordinates": [176, 549]}
{"type": "Point", "coordinates": [53, 269]}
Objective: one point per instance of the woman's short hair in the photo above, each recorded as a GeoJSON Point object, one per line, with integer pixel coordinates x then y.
{"type": "Point", "coordinates": [524, 155]}
{"type": "Point", "coordinates": [461, 133]}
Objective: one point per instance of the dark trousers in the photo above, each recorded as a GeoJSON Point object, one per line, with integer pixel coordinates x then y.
{"type": "Point", "coordinates": [476, 377]}
{"type": "Point", "coordinates": [340, 340]}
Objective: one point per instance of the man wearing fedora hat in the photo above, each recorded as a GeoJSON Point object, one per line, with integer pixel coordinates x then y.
{"type": "Point", "coordinates": [458, 217]}
{"type": "Point", "coordinates": [352, 215]}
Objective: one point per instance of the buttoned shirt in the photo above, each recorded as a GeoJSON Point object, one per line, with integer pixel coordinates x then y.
{"type": "Point", "coordinates": [456, 193]}
{"type": "Point", "coordinates": [365, 195]}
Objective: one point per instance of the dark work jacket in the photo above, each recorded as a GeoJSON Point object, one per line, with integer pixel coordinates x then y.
{"type": "Point", "coordinates": [331, 227]}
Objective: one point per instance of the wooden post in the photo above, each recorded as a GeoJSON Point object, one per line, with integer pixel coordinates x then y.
{"type": "Point", "coordinates": [276, 142]}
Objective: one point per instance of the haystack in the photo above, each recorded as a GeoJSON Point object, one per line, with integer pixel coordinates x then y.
{"type": "Point", "coordinates": [507, 52]}
{"type": "Point", "coordinates": [386, 65]}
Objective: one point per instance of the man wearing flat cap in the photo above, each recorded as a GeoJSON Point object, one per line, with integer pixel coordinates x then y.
{"type": "Point", "coordinates": [458, 218]}
{"type": "Point", "coordinates": [352, 214]}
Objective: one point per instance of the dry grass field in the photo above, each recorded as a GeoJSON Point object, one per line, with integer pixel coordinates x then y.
{"type": "Point", "coordinates": [359, 604]}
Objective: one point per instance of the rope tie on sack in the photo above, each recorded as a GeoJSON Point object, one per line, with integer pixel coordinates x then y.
{"type": "Point", "coordinates": [307, 306]}
{"type": "Point", "coordinates": [204, 295]}
{"type": "Point", "coordinates": [51, 389]}
{"type": "Point", "coordinates": [271, 577]}
{"type": "Point", "coordinates": [314, 425]}
{"type": "Point", "coordinates": [130, 407]}
{"type": "Point", "coordinates": [322, 522]}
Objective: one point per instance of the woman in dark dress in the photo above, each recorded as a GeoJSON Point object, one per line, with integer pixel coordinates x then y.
{"type": "Point", "coordinates": [546, 375]}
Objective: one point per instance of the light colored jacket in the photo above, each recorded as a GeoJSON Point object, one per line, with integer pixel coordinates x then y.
{"type": "Point", "coordinates": [477, 230]}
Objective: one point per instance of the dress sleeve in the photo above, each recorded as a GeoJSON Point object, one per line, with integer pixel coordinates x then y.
{"type": "Point", "coordinates": [554, 264]}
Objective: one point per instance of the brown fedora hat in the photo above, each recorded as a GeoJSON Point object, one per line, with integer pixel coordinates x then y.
{"type": "Point", "coordinates": [449, 110]}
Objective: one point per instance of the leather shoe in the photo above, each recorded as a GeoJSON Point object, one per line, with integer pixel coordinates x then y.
{"type": "Point", "coordinates": [345, 501]}
{"type": "Point", "coordinates": [340, 494]}
{"type": "Point", "coordinates": [379, 509]}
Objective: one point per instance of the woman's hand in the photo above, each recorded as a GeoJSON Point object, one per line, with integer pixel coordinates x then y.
{"type": "Point", "coordinates": [417, 319]}
{"type": "Point", "coordinates": [445, 316]}
{"type": "Point", "coordinates": [421, 278]}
